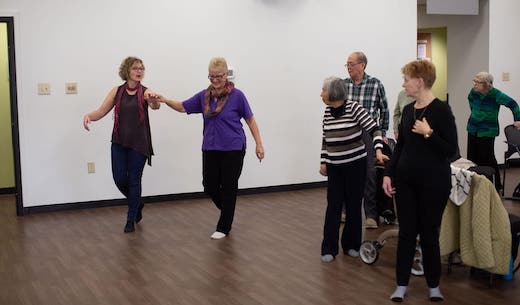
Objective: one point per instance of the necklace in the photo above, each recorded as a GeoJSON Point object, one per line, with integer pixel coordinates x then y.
{"type": "Point", "coordinates": [415, 117]}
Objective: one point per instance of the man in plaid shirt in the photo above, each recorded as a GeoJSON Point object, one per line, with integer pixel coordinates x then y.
{"type": "Point", "coordinates": [369, 92]}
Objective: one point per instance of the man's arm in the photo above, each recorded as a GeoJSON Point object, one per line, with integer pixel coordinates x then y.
{"type": "Point", "coordinates": [384, 114]}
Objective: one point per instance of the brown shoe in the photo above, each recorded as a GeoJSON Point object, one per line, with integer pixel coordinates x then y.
{"type": "Point", "coordinates": [371, 223]}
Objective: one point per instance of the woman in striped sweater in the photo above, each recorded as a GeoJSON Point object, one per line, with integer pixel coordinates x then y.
{"type": "Point", "coordinates": [343, 161]}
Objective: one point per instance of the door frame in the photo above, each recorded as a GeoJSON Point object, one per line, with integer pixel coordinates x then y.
{"type": "Point", "coordinates": [9, 20]}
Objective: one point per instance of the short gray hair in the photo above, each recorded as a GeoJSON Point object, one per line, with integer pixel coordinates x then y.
{"type": "Point", "coordinates": [361, 57]}
{"type": "Point", "coordinates": [336, 88]}
{"type": "Point", "coordinates": [486, 78]}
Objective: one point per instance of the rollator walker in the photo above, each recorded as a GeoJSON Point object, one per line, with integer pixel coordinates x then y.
{"type": "Point", "coordinates": [370, 249]}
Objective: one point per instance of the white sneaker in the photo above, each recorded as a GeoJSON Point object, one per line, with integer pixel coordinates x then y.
{"type": "Point", "coordinates": [353, 253]}
{"type": "Point", "coordinates": [327, 258]}
{"type": "Point", "coordinates": [218, 235]}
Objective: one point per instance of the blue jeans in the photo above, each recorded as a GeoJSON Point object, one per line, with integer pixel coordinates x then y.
{"type": "Point", "coordinates": [127, 170]}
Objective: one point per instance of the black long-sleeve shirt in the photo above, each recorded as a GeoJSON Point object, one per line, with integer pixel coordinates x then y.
{"type": "Point", "coordinates": [425, 161]}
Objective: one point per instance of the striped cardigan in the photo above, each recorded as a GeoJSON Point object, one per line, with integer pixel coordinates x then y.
{"type": "Point", "coordinates": [342, 136]}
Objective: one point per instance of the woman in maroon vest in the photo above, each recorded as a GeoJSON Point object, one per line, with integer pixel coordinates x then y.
{"type": "Point", "coordinates": [131, 137]}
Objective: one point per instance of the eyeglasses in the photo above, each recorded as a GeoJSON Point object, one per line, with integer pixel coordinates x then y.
{"type": "Point", "coordinates": [137, 69]}
{"type": "Point", "coordinates": [217, 76]}
{"type": "Point", "coordinates": [351, 64]}
{"type": "Point", "coordinates": [478, 82]}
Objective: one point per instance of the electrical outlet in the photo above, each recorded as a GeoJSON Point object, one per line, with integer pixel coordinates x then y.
{"type": "Point", "coordinates": [91, 167]}
{"type": "Point", "coordinates": [44, 88]}
{"type": "Point", "coordinates": [71, 88]}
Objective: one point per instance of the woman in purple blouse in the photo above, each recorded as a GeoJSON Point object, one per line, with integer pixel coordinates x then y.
{"type": "Point", "coordinates": [224, 141]}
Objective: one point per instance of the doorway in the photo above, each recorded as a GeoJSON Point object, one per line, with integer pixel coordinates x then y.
{"type": "Point", "coordinates": [10, 174]}
{"type": "Point", "coordinates": [432, 45]}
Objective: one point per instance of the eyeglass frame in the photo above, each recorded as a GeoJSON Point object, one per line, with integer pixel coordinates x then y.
{"type": "Point", "coordinates": [475, 81]}
{"type": "Point", "coordinates": [350, 65]}
{"type": "Point", "coordinates": [219, 76]}
{"type": "Point", "coordinates": [142, 69]}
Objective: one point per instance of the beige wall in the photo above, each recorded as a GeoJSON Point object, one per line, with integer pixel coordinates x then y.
{"type": "Point", "coordinates": [439, 59]}
{"type": "Point", "coordinates": [6, 143]}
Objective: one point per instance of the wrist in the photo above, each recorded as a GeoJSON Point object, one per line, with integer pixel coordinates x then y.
{"type": "Point", "coordinates": [428, 134]}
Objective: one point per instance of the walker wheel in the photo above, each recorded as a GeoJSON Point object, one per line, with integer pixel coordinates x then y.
{"type": "Point", "coordinates": [369, 252]}
{"type": "Point", "coordinates": [417, 267]}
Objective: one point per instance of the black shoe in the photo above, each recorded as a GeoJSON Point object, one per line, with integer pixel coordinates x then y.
{"type": "Point", "coordinates": [129, 227]}
{"type": "Point", "coordinates": [388, 217]}
{"type": "Point", "coordinates": [139, 215]}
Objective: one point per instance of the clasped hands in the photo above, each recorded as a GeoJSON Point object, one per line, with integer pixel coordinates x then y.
{"type": "Point", "coordinates": [153, 98]}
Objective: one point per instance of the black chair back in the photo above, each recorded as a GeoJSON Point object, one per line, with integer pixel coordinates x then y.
{"type": "Point", "coordinates": [512, 140]}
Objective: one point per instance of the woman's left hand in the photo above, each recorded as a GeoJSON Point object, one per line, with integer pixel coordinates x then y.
{"type": "Point", "coordinates": [516, 124]}
{"type": "Point", "coordinates": [260, 152]}
{"type": "Point", "coordinates": [421, 127]}
{"type": "Point", "coordinates": [388, 187]}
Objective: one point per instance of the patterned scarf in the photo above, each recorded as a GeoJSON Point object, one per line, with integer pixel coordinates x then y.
{"type": "Point", "coordinates": [140, 102]}
{"type": "Point", "coordinates": [222, 99]}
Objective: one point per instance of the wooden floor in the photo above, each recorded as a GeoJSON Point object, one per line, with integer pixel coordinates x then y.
{"type": "Point", "coordinates": [271, 257]}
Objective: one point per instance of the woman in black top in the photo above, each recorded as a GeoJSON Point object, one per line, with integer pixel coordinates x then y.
{"type": "Point", "coordinates": [419, 175]}
{"type": "Point", "coordinates": [131, 137]}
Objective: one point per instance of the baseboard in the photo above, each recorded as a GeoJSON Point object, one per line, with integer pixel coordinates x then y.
{"type": "Point", "coordinates": [7, 190]}
{"type": "Point", "coordinates": [511, 198]}
{"type": "Point", "coordinates": [163, 198]}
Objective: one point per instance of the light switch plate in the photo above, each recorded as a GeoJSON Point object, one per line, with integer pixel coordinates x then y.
{"type": "Point", "coordinates": [91, 167]}
{"type": "Point", "coordinates": [44, 88]}
{"type": "Point", "coordinates": [71, 88]}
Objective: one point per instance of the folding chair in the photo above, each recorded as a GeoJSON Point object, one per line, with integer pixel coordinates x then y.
{"type": "Point", "coordinates": [513, 146]}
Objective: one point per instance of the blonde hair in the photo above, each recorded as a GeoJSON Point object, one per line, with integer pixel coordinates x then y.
{"type": "Point", "coordinates": [218, 64]}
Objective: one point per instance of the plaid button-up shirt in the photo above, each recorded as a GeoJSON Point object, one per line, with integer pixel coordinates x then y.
{"type": "Point", "coordinates": [371, 94]}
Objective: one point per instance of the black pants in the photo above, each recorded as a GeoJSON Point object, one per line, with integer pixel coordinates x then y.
{"type": "Point", "coordinates": [481, 150]}
{"type": "Point", "coordinates": [419, 211]}
{"type": "Point", "coordinates": [220, 173]}
{"type": "Point", "coordinates": [345, 188]}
